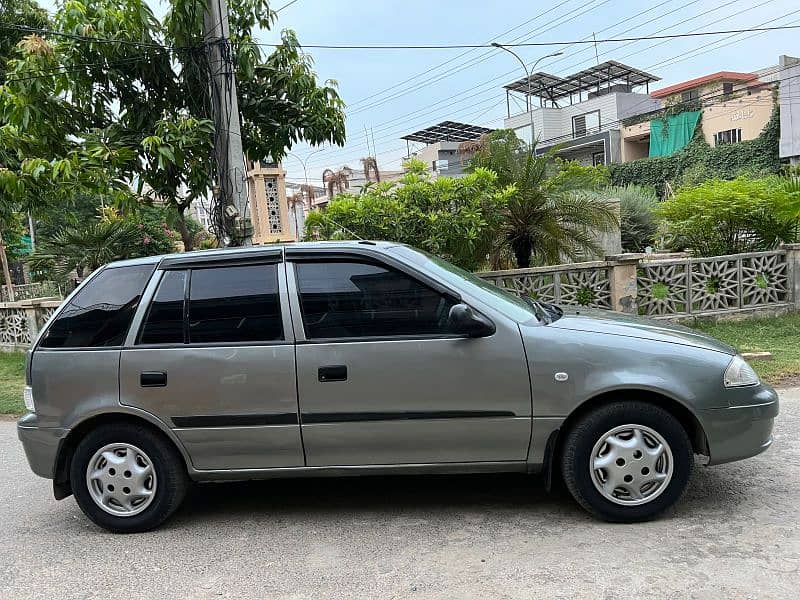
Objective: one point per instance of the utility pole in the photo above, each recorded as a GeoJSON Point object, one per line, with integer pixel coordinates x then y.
{"type": "Point", "coordinates": [237, 229]}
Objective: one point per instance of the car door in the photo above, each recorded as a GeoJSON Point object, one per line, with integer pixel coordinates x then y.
{"type": "Point", "coordinates": [213, 356]}
{"type": "Point", "coordinates": [381, 381]}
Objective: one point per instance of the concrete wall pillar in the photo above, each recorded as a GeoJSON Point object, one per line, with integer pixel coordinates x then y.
{"type": "Point", "coordinates": [622, 277]}
{"type": "Point", "coordinates": [793, 272]}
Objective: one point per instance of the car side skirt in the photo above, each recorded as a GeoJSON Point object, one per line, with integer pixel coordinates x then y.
{"type": "Point", "coordinates": [355, 470]}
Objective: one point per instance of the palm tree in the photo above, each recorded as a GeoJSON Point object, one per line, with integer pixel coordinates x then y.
{"type": "Point", "coordinates": [308, 192]}
{"type": "Point", "coordinates": [337, 180]}
{"type": "Point", "coordinates": [84, 248]}
{"type": "Point", "coordinates": [545, 218]}
{"type": "Point", "coordinates": [371, 165]}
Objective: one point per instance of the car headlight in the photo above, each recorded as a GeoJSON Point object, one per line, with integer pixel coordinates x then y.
{"type": "Point", "coordinates": [27, 397]}
{"type": "Point", "coordinates": [739, 373]}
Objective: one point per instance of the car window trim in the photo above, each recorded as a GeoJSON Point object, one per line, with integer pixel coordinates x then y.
{"type": "Point", "coordinates": [253, 344]}
{"type": "Point", "coordinates": [239, 259]}
{"type": "Point", "coordinates": [385, 338]}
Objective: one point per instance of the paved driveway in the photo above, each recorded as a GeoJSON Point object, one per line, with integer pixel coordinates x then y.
{"type": "Point", "coordinates": [735, 534]}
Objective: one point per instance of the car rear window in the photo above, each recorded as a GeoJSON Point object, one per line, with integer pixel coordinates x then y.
{"type": "Point", "coordinates": [100, 314]}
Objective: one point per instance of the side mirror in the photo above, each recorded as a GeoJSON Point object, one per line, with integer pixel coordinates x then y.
{"type": "Point", "coordinates": [464, 320]}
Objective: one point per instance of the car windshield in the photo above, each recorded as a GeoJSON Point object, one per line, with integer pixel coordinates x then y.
{"type": "Point", "coordinates": [508, 303]}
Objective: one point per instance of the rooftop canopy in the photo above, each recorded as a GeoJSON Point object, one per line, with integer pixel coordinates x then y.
{"type": "Point", "coordinates": [552, 87]}
{"type": "Point", "coordinates": [447, 131]}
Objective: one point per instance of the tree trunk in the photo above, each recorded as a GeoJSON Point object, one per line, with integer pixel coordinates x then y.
{"type": "Point", "coordinates": [186, 237]}
{"type": "Point", "coordinates": [522, 249]}
{"type": "Point", "coordinates": [6, 271]}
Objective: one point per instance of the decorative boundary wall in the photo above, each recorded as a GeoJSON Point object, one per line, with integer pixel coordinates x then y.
{"type": "Point", "coordinates": [668, 288]}
{"type": "Point", "coordinates": [20, 322]}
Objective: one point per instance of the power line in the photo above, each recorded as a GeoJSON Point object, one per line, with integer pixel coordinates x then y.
{"type": "Point", "coordinates": [427, 71]}
{"type": "Point", "coordinates": [287, 5]}
{"type": "Point", "coordinates": [63, 70]}
{"type": "Point", "coordinates": [525, 44]}
{"type": "Point", "coordinates": [83, 38]}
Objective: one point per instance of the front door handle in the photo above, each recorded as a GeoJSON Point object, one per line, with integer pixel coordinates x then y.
{"type": "Point", "coordinates": [153, 379]}
{"type": "Point", "coordinates": [332, 373]}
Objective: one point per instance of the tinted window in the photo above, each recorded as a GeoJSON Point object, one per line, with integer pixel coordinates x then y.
{"type": "Point", "coordinates": [164, 322]}
{"type": "Point", "coordinates": [235, 304]}
{"type": "Point", "coordinates": [350, 299]}
{"type": "Point", "coordinates": [100, 314]}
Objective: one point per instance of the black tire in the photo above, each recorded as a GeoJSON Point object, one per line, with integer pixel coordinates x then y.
{"type": "Point", "coordinates": [585, 433]}
{"type": "Point", "coordinates": [169, 467]}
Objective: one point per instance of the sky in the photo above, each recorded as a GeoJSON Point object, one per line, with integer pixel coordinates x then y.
{"type": "Point", "coordinates": [395, 92]}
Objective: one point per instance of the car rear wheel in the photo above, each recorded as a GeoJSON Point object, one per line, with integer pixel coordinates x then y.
{"type": "Point", "coordinates": [127, 478]}
{"type": "Point", "coordinates": [627, 461]}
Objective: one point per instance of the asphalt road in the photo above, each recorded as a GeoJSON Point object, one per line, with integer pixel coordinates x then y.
{"type": "Point", "coordinates": [735, 534]}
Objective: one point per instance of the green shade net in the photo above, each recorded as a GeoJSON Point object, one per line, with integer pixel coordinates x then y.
{"type": "Point", "coordinates": [679, 129]}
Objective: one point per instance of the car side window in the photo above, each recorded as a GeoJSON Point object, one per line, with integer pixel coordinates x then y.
{"type": "Point", "coordinates": [347, 299]}
{"type": "Point", "coordinates": [164, 321]}
{"type": "Point", "coordinates": [100, 314]}
{"type": "Point", "coordinates": [235, 304]}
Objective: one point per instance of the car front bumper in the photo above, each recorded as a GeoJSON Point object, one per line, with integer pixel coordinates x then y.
{"type": "Point", "coordinates": [41, 445]}
{"type": "Point", "coordinates": [744, 428]}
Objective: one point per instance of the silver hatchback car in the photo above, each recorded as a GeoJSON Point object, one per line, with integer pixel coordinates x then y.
{"type": "Point", "coordinates": [361, 358]}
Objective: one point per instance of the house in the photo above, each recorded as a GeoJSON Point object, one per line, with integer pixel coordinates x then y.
{"type": "Point", "coordinates": [730, 107]}
{"type": "Point", "coordinates": [444, 152]}
{"type": "Point", "coordinates": [580, 115]}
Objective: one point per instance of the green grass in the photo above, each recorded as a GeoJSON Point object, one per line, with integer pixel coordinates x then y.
{"type": "Point", "coordinates": [12, 380]}
{"type": "Point", "coordinates": [778, 335]}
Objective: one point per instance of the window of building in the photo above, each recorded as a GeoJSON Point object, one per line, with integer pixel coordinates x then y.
{"type": "Point", "coordinates": [727, 88]}
{"type": "Point", "coordinates": [100, 314]}
{"type": "Point", "coordinates": [729, 136]}
{"type": "Point", "coordinates": [164, 321]}
{"type": "Point", "coordinates": [441, 165]}
{"type": "Point", "coordinates": [690, 95]}
{"type": "Point", "coordinates": [598, 158]}
{"type": "Point", "coordinates": [235, 304]}
{"type": "Point", "coordinates": [524, 133]}
{"type": "Point", "coordinates": [586, 124]}
{"type": "Point", "coordinates": [354, 299]}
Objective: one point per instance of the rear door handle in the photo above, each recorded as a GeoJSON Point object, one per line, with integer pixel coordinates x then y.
{"type": "Point", "coordinates": [332, 373]}
{"type": "Point", "coordinates": [153, 379]}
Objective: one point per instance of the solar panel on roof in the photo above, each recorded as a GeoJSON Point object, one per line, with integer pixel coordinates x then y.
{"type": "Point", "coordinates": [554, 87]}
{"type": "Point", "coordinates": [447, 131]}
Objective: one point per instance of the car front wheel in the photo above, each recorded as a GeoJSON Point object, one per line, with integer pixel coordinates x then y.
{"type": "Point", "coordinates": [127, 478]}
{"type": "Point", "coordinates": [627, 461]}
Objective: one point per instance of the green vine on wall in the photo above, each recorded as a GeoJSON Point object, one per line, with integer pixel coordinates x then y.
{"type": "Point", "coordinates": [698, 161]}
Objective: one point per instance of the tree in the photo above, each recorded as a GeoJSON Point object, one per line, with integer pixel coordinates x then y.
{"type": "Point", "coordinates": [728, 217]}
{"type": "Point", "coordinates": [19, 12]}
{"type": "Point", "coordinates": [114, 96]}
{"type": "Point", "coordinates": [84, 248]}
{"type": "Point", "coordinates": [638, 223]}
{"type": "Point", "coordinates": [370, 164]}
{"type": "Point", "coordinates": [454, 218]}
{"type": "Point", "coordinates": [550, 213]}
{"type": "Point", "coordinates": [336, 182]}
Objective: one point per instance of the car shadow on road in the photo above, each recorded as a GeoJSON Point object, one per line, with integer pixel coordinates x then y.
{"type": "Point", "coordinates": [375, 494]}
{"type": "Point", "coordinates": [521, 494]}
